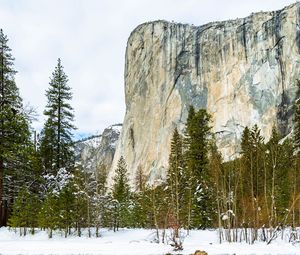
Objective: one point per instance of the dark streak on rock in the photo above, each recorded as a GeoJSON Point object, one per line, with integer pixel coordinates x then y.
{"type": "Point", "coordinates": [279, 45]}
{"type": "Point", "coordinates": [298, 29]}
{"type": "Point", "coordinates": [278, 41]}
{"type": "Point", "coordinates": [243, 37]}
{"type": "Point", "coordinates": [132, 137]}
{"type": "Point", "coordinates": [283, 114]}
{"type": "Point", "coordinates": [197, 50]}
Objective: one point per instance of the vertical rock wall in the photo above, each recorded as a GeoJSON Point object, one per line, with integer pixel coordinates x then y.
{"type": "Point", "coordinates": [242, 71]}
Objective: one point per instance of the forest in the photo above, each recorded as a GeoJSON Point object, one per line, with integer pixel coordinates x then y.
{"type": "Point", "coordinates": [252, 197]}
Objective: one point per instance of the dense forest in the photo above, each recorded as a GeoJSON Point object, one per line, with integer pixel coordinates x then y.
{"type": "Point", "coordinates": [41, 186]}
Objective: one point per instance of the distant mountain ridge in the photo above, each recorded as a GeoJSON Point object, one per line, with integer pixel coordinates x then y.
{"type": "Point", "coordinates": [96, 150]}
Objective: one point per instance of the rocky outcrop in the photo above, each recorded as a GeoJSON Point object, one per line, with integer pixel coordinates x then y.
{"type": "Point", "coordinates": [98, 150]}
{"type": "Point", "coordinates": [242, 71]}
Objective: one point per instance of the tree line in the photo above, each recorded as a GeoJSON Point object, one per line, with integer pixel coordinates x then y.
{"type": "Point", "coordinates": [41, 185]}
{"type": "Point", "coordinates": [32, 167]}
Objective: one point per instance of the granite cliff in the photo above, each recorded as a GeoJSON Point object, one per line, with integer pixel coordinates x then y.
{"type": "Point", "coordinates": [242, 71]}
{"type": "Point", "coordinates": [98, 150]}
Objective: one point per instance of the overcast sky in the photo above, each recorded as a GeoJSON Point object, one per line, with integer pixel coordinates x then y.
{"type": "Point", "coordinates": [90, 37]}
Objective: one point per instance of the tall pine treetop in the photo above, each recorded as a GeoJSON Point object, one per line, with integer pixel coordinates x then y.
{"type": "Point", "coordinates": [121, 188]}
{"type": "Point", "coordinates": [58, 94]}
{"type": "Point", "coordinates": [6, 57]}
{"type": "Point", "coordinates": [9, 94]}
{"type": "Point", "coordinates": [56, 137]}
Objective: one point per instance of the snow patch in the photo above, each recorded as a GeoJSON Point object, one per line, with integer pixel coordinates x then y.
{"type": "Point", "coordinates": [131, 242]}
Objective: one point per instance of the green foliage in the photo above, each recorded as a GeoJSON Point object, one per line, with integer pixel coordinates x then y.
{"type": "Point", "coordinates": [48, 217]}
{"type": "Point", "coordinates": [14, 131]}
{"type": "Point", "coordinates": [140, 210]}
{"type": "Point", "coordinates": [297, 119]}
{"type": "Point", "coordinates": [24, 211]}
{"type": "Point", "coordinates": [56, 136]}
{"type": "Point", "coordinates": [66, 208]}
{"type": "Point", "coordinates": [58, 211]}
{"type": "Point", "coordinates": [177, 180]}
{"type": "Point", "coordinates": [41, 188]}
{"type": "Point", "coordinates": [121, 193]}
{"type": "Point", "coordinates": [141, 201]}
{"type": "Point", "coordinates": [121, 189]}
{"type": "Point", "coordinates": [197, 143]}
{"type": "Point", "coordinates": [81, 199]}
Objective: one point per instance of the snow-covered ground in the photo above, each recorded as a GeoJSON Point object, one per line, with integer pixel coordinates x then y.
{"type": "Point", "coordinates": [131, 242]}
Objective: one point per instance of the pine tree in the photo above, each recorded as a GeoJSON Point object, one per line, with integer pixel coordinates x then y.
{"type": "Point", "coordinates": [296, 144]}
{"type": "Point", "coordinates": [101, 178]}
{"type": "Point", "coordinates": [121, 193]}
{"type": "Point", "coordinates": [297, 119]}
{"type": "Point", "coordinates": [141, 201]}
{"type": "Point", "coordinates": [66, 208]}
{"type": "Point", "coordinates": [216, 171]}
{"type": "Point", "coordinates": [80, 213]}
{"type": "Point", "coordinates": [246, 143]}
{"type": "Point", "coordinates": [197, 143]}
{"type": "Point", "coordinates": [189, 168]}
{"type": "Point", "coordinates": [176, 182]}
{"type": "Point", "coordinates": [49, 215]}
{"type": "Point", "coordinates": [100, 199]}
{"type": "Point", "coordinates": [56, 137]}
{"type": "Point", "coordinates": [24, 211]}
{"type": "Point", "coordinates": [14, 130]}
{"type": "Point", "coordinates": [247, 167]}
{"type": "Point", "coordinates": [258, 155]}
{"type": "Point", "coordinates": [254, 170]}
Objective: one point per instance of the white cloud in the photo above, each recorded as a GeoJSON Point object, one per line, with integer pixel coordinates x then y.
{"type": "Point", "coordinates": [90, 37]}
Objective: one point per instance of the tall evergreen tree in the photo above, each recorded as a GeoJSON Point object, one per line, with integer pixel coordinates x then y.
{"type": "Point", "coordinates": [254, 170]}
{"type": "Point", "coordinates": [197, 142]}
{"type": "Point", "coordinates": [121, 193]}
{"type": "Point", "coordinates": [14, 129]}
{"type": "Point", "coordinates": [56, 136]}
{"type": "Point", "coordinates": [258, 151]}
{"type": "Point", "coordinates": [296, 144]}
{"type": "Point", "coordinates": [25, 208]}
{"type": "Point", "coordinates": [176, 182]}
{"type": "Point", "coordinates": [297, 119]}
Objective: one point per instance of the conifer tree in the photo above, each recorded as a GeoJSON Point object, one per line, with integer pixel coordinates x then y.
{"type": "Point", "coordinates": [246, 143]}
{"type": "Point", "coordinates": [100, 199]}
{"type": "Point", "coordinates": [197, 142]}
{"type": "Point", "coordinates": [80, 203]}
{"type": "Point", "coordinates": [141, 200]}
{"type": "Point", "coordinates": [49, 215]}
{"type": "Point", "coordinates": [66, 208]}
{"type": "Point", "coordinates": [247, 164]}
{"type": "Point", "coordinates": [216, 171]}
{"type": "Point", "coordinates": [121, 193]}
{"type": "Point", "coordinates": [189, 168]}
{"type": "Point", "coordinates": [14, 130]}
{"type": "Point", "coordinates": [24, 211]}
{"type": "Point", "coordinates": [297, 119]}
{"type": "Point", "coordinates": [56, 137]}
{"type": "Point", "coordinates": [176, 182]}
{"type": "Point", "coordinates": [296, 144]}
{"type": "Point", "coordinates": [258, 155]}
{"type": "Point", "coordinates": [253, 152]}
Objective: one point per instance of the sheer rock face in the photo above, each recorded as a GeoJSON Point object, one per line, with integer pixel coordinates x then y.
{"type": "Point", "coordinates": [98, 150]}
{"type": "Point", "coordinates": [242, 71]}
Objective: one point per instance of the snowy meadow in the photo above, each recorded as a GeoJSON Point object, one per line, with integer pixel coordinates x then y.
{"type": "Point", "coordinates": [132, 242]}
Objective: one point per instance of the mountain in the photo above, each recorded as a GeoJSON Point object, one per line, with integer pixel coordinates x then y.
{"type": "Point", "coordinates": [242, 71]}
{"type": "Point", "coordinates": [97, 150]}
